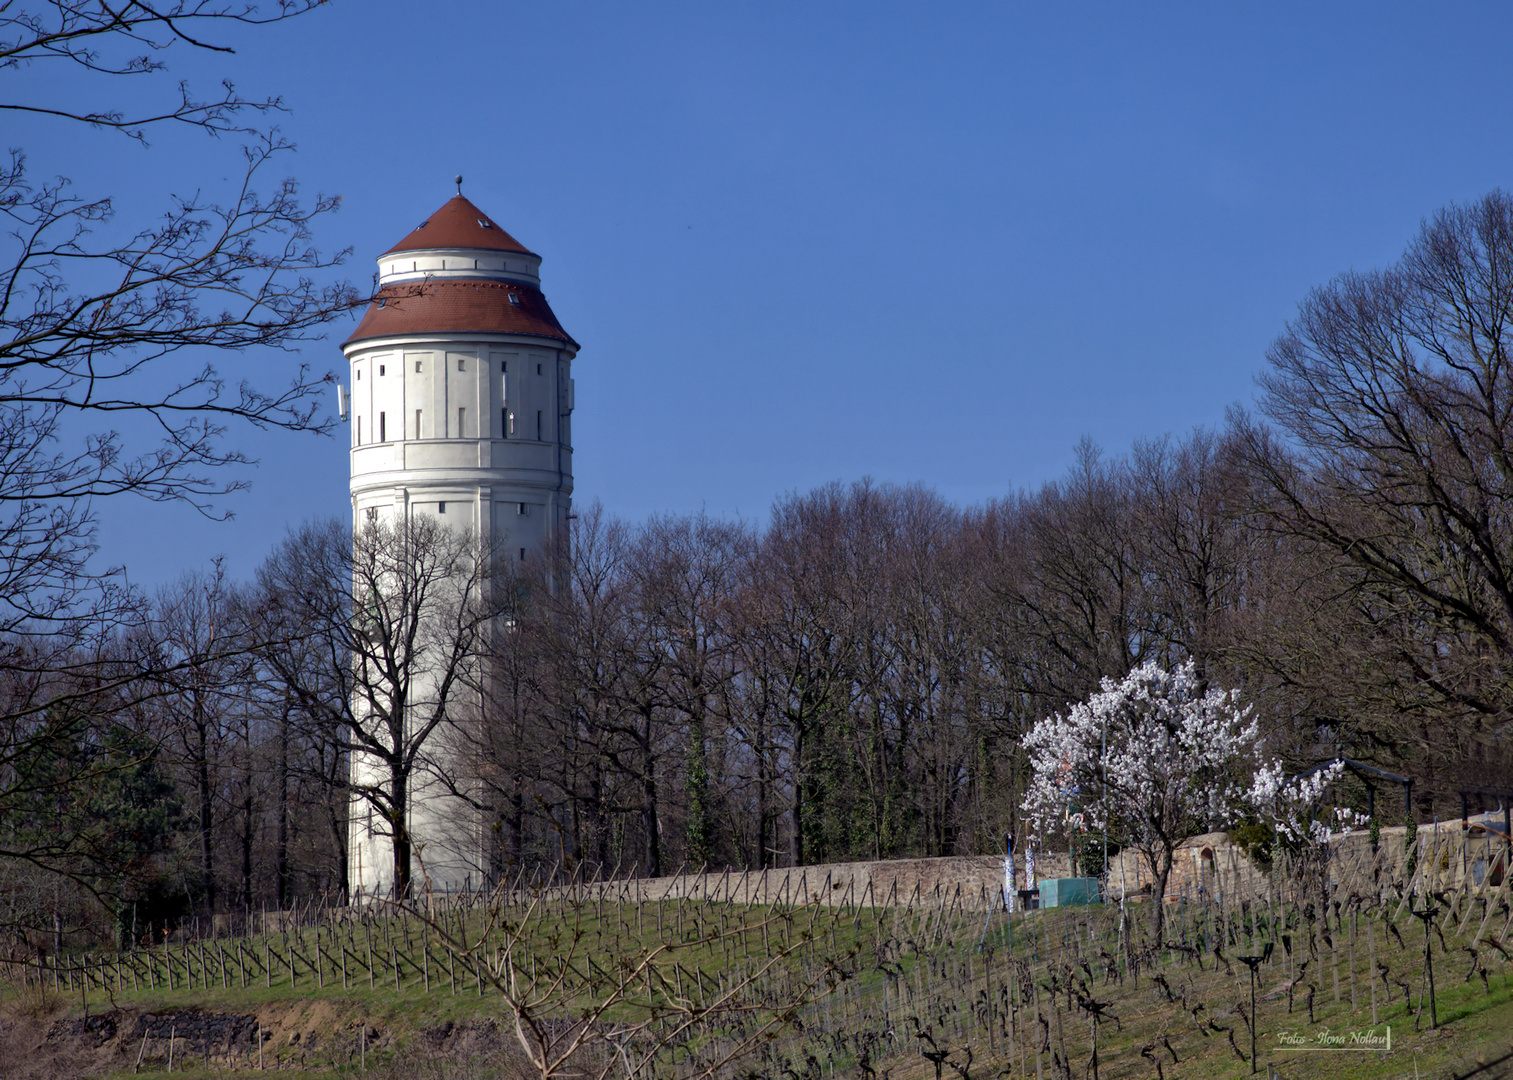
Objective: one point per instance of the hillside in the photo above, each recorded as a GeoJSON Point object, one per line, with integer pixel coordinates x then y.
{"type": "Point", "coordinates": [696, 983]}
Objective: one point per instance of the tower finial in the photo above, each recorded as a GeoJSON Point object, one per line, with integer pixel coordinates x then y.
{"type": "Point", "coordinates": [458, 179]}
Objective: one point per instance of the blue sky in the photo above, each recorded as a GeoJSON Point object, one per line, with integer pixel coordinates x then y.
{"type": "Point", "coordinates": [806, 242]}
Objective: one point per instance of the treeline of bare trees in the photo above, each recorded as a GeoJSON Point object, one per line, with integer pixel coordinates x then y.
{"type": "Point", "coordinates": [851, 680]}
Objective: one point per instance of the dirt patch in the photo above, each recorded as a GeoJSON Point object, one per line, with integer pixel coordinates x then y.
{"type": "Point", "coordinates": [34, 1046]}
{"type": "Point", "coordinates": [316, 1034]}
{"type": "Point", "coordinates": [467, 1039]}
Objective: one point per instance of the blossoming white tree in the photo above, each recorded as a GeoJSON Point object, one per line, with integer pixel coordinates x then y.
{"type": "Point", "coordinates": [1154, 758]}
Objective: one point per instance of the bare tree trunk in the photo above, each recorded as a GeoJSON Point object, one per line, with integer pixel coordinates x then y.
{"type": "Point", "coordinates": [1161, 865]}
{"type": "Point", "coordinates": [796, 840]}
{"type": "Point", "coordinates": [764, 799]}
{"type": "Point", "coordinates": [206, 798]}
{"type": "Point", "coordinates": [281, 855]}
{"type": "Point", "coordinates": [400, 812]}
{"type": "Point", "coordinates": [248, 822]}
{"type": "Point", "coordinates": [649, 824]}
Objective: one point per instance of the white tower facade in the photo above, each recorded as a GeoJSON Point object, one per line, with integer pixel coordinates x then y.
{"type": "Point", "coordinates": [461, 396]}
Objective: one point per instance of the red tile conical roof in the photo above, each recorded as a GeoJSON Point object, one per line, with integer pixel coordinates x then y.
{"type": "Point", "coordinates": [460, 307]}
{"type": "Point", "coordinates": [459, 224]}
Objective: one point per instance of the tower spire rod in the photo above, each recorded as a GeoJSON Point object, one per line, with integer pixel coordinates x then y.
{"type": "Point", "coordinates": [458, 179]}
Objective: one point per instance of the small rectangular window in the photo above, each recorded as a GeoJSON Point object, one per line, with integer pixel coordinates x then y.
{"type": "Point", "coordinates": [462, 365]}
{"type": "Point", "coordinates": [504, 366]}
{"type": "Point", "coordinates": [359, 431]}
{"type": "Point", "coordinates": [417, 423]}
{"type": "Point", "coordinates": [514, 300]}
{"type": "Point", "coordinates": [538, 369]}
{"type": "Point", "coordinates": [538, 425]}
{"type": "Point", "coordinates": [359, 374]}
{"type": "Point", "coordinates": [520, 509]}
{"type": "Point", "coordinates": [380, 369]}
{"type": "Point", "coordinates": [382, 429]}
{"type": "Point", "coordinates": [441, 508]}
{"type": "Point", "coordinates": [417, 366]}
{"type": "Point", "coordinates": [522, 554]}
{"type": "Point", "coordinates": [462, 431]}
{"type": "Point", "coordinates": [504, 423]}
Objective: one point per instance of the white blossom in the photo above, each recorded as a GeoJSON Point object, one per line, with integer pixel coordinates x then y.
{"type": "Point", "coordinates": [1177, 759]}
{"type": "Point", "coordinates": [1286, 803]}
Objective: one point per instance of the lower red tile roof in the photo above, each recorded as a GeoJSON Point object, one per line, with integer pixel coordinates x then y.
{"type": "Point", "coordinates": [448, 307]}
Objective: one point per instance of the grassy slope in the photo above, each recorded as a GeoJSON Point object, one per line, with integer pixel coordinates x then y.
{"type": "Point", "coordinates": [903, 974]}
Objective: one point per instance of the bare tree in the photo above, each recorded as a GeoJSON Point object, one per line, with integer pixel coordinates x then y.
{"type": "Point", "coordinates": [96, 333]}
{"type": "Point", "coordinates": [612, 699]}
{"type": "Point", "coordinates": [109, 354]}
{"type": "Point", "coordinates": [382, 638]}
{"type": "Point", "coordinates": [199, 643]}
{"type": "Point", "coordinates": [1198, 547]}
{"type": "Point", "coordinates": [688, 574]}
{"type": "Point", "coordinates": [1070, 578]}
{"type": "Point", "coordinates": [1395, 389]}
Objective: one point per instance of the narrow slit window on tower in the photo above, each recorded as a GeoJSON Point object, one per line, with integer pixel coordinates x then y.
{"type": "Point", "coordinates": [417, 366]}
{"type": "Point", "coordinates": [462, 365]}
{"type": "Point", "coordinates": [441, 508]}
{"type": "Point", "coordinates": [504, 367]}
{"type": "Point", "coordinates": [380, 369]}
{"type": "Point", "coordinates": [538, 369]}
{"type": "Point", "coordinates": [359, 374]}
{"type": "Point", "coordinates": [522, 554]}
{"type": "Point", "coordinates": [462, 431]}
{"type": "Point", "coordinates": [383, 435]}
{"type": "Point", "coordinates": [417, 423]}
{"type": "Point", "coordinates": [504, 423]}
{"type": "Point", "coordinates": [538, 425]}
{"type": "Point", "coordinates": [359, 431]}
{"type": "Point", "coordinates": [520, 509]}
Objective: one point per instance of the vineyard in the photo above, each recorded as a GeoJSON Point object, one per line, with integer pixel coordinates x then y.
{"type": "Point", "coordinates": [1353, 972]}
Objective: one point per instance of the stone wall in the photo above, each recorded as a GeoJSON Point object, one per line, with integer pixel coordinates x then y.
{"type": "Point", "coordinates": [973, 881]}
{"type": "Point", "coordinates": [1205, 866]}
{"type": "Point", "coordinates": [1446, 857]}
